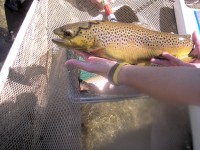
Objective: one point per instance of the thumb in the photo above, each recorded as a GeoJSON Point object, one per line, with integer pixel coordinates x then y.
{"type": "Point", "coordinates": [196, 40]}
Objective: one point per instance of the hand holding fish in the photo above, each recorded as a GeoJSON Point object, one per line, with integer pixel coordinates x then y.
{"type": "Point", "coordinates": [169, 84]}
{"type": "Point", "coordinates": [91, 63]}
{"type": "Point", "coordinates": [133, 44]}
{"type": "Point", "coordinates": [173, 61]}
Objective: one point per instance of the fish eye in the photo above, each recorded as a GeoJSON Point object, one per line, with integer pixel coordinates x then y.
{"type": "Point", "coordinates": [68, 33]}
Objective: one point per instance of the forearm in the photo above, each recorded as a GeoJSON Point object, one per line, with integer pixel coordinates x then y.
{"type": "Point", "coordinates": [175, 84]}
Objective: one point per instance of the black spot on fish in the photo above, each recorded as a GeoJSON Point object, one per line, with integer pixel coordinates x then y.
{"type": "Point", "coordinates": [86, 28]}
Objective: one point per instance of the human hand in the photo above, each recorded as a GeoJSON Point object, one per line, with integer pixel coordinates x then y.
{"type": "Point", "coordinates": [173, 61]}
{"type": "Point", "coordinates": [99, 2]}
{"type": "Point", "coordinates": [91, 63]}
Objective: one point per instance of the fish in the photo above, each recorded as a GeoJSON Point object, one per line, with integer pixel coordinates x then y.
{"type": "Point", "coordinates": [132, 43]}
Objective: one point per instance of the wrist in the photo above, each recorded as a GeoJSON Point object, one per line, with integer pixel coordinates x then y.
{"type": "Point", "coordinates": [122, 76]}
{"type": "Point", "coordinates": [114, 72]}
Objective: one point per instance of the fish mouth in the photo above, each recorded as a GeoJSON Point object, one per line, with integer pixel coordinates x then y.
{"type": "Point", "coordinates": [61, 42]}
{"type": "Point", "coordinates": [58, 41]}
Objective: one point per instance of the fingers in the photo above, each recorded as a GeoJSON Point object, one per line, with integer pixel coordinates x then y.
{"type": "Point", "coordinates": [78, 64]}
{"type": "Point", "coordinates": [171, 60]}
{"type": "Point", "coordinates": [160, 62]}
{"type": "Point", "coordinates": [111, 1]}
{"type": "Point", "coordinates": [85, 56]}
{"type": "Point", "coordinates": [98, 3]}
{"type": "Point", "coordinates": [93, 64]}
{"type": "Point", "coordinates": [174, 61]}
{"type": "Point", "coordinates": [196, 40]}
{"type": "Point", "coordinates": [82, 54]}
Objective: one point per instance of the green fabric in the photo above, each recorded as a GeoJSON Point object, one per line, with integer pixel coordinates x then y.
{"type": "Point", "coordinates": [84, 75]}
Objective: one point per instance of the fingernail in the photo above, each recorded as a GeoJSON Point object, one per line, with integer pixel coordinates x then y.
{"type": "Point", "coordinates": [164, 53]}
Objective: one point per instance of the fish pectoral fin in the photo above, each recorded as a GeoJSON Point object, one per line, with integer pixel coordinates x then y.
{"type": "Point", "coordinates": [100, 52]}
{"type": "Point", "coordinates": [184, 59]}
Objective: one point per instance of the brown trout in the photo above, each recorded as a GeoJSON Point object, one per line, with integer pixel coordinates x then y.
{"type": "Point", "coordinates": [123, 42]}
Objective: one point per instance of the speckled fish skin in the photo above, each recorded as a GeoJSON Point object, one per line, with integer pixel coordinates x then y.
{"type": "Point", "coordinates": [123, 42]}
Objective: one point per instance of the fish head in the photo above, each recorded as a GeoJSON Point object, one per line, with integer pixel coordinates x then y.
{"type": "Point", "coordinates": [77, 35]}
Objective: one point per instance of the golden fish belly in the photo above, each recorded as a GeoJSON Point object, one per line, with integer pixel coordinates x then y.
{"type": "Point", "coordinates": [134, 55]}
